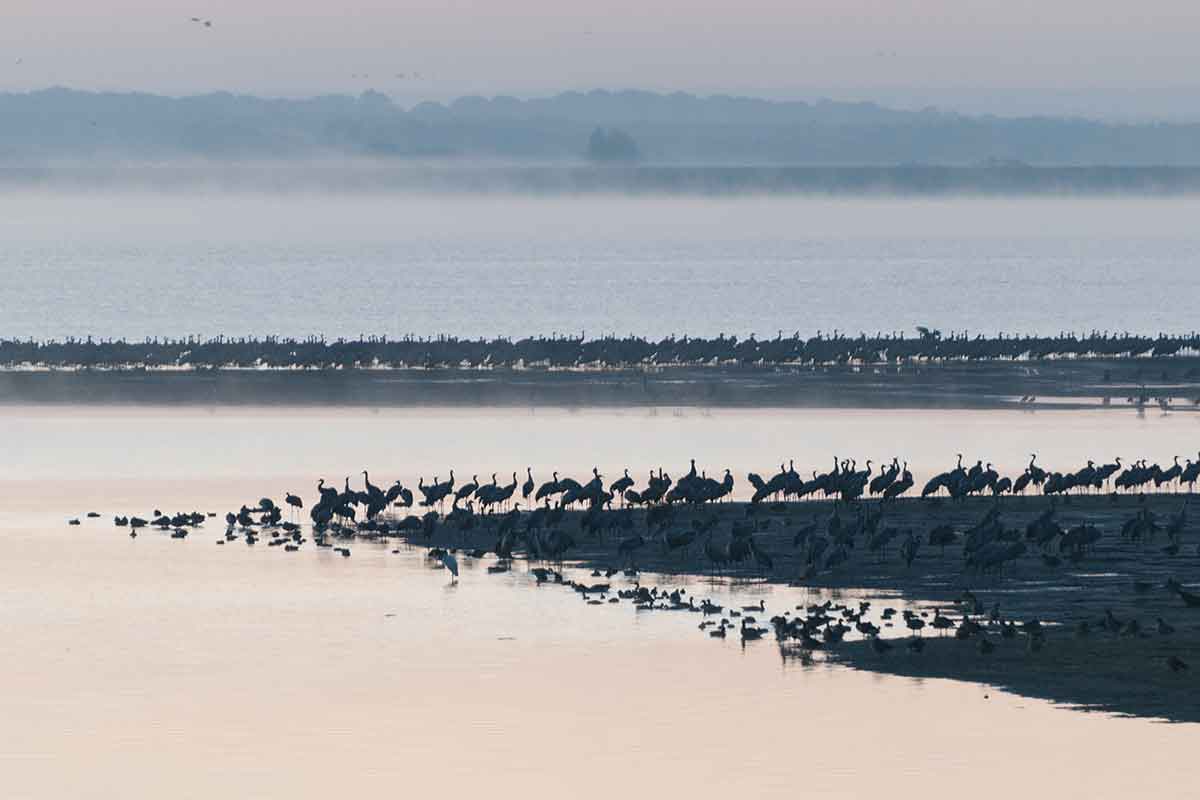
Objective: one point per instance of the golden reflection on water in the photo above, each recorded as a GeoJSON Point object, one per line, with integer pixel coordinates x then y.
{"type": "Point", "coordinates": [162, 668]}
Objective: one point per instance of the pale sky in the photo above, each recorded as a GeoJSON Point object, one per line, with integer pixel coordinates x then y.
{"type": "Point", "coordinates": [780, 48]}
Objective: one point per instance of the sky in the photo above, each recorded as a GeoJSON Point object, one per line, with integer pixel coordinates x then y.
{"type": "Point", "coordinates": [1111, 56]}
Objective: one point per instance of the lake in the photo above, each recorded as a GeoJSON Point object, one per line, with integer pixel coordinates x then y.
{"type": "Point", "coordinates": [137, 264]}
{"type": "Point", "coordinates": [153, 667]}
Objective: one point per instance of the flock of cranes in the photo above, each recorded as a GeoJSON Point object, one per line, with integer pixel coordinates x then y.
{"type": "Point", "coordinates": [845, 482]}
{"type": "Point", "coordinates": [563, 492]}
{"type": "Point", "coordinates": [566, 351]}
{"type": "Point", "coordinates": [988, 546]}
{"type": "Point", "coordinates": [363, 508]}
{"type": "Point", "coordinates": [373, 507]}
{"type": "Point", "coordinates": [677, 514]}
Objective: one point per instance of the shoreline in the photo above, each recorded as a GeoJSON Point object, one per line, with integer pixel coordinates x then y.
{"type": "Point", "coordinates": [1126, 384]}
{"type": "Point", "coordinates": [1120, 673]}
{"type": "Point", "coordinates": [1102, 673]}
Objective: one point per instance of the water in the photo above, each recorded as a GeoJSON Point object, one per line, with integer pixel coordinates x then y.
{"type": "Point", "coordinates": [136, 265]}
{"type": "Point", "coordinates": [265, 447]}
{"type": "Point", "coordinates": [158, 668]}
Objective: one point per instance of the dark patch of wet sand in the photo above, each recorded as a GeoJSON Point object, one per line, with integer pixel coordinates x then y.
{"type": "Point", "coordinates": [1059, 383]}
{"type": "Point", "coordinates": [1126, 674]}
{"type": "Point", "coordinates": [1101, 672]}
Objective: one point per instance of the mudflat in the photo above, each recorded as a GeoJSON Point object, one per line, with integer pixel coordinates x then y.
{"type": "Point", "coordinates": [1125, 383]}
{"type": "Point", "coordinates": [1097, 609]}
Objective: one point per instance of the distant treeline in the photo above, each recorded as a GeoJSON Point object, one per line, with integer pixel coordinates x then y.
{"type": "Point", "coordinates": [57, 125]}
{"type": "Point", "coordinates": [616, 177]}
{"type": "Point", "coordinates": [566, 352]}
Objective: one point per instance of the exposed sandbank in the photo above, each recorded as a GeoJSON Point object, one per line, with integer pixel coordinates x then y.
{"type": "Point", "coordinates": [1083, 383]}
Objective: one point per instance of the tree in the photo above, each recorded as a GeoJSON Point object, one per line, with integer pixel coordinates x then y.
{"type": "Point", "coordinates": [610, 145]}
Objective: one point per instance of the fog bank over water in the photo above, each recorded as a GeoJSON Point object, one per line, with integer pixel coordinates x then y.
{"type": "Point", "coordinates": [139, 264]}
{"type": "Point", "coordinates": [504, 176]}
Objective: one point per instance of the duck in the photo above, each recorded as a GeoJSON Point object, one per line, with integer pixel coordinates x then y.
{"type": "Point", "coordinates": [941, 623]}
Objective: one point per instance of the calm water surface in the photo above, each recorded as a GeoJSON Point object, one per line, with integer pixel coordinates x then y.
{"type": "Point", "coordinates": [161, 668]}
{"type": "Point", "coordinates": [87, 443]}
{"type": "Point", "coordinates": [136, 265]}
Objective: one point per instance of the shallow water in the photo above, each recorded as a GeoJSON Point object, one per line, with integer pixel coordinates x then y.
{"type": "Point", "coordinates": [300, 445]}
{"type": "Point", "coordinates": [137, 265]}
{"type": "Point", "coordinates": [156, 667]}
{"type": "Point", "coordinates": [165, 668]}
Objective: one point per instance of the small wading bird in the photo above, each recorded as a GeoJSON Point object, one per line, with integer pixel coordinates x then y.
{"type": "Point", "coordinates": [294, 502]}
{"type": "Point", "coordinates": [450, 563]}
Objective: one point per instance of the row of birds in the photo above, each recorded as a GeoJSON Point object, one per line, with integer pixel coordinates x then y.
{"type": "Point", "coordinates": [961, 482]}
{"type": "Point", "coordinates": [844, 482]}
{"type": "Point", "coordinates": [822, 545]}
{"type": "Point", "coordinates": [343, 504]}
{"type": "Point", "coordinates": [987, 546]}
{"type": "Point", "coordinates": [567, 351]}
